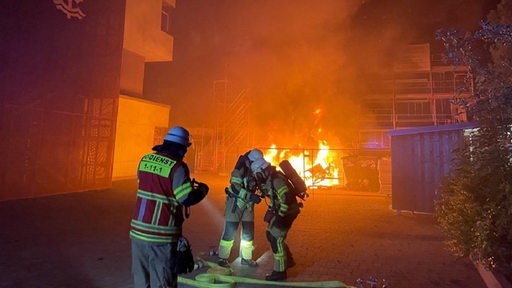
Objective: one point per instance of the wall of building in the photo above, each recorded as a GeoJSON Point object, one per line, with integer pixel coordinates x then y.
{"type": "Point", "coordinates": [140, 125]}
{"type": "Point", "coordinates": [142, 121]}
{"type": "Point", "coordinates": [132, 73]}
{"type": "Point", "coordinates": [59, 84]}
{"type": "Point", "coordinates": [143, 34]}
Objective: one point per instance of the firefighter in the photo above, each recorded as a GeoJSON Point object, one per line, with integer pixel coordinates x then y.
{"type": "Point", "coordinates": [164, 189]}
{"type": "Point", "coordinates": [239, 209]}
{"type": "Point", "coordinates": [283, 209]}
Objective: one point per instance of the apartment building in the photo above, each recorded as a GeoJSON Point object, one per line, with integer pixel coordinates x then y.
{"type": "Point", "coordinates": [417, 91]}
{"type": "Point", "coordinates": [72, 101]}
{"type": "Point", "coordinates": [141, 120]}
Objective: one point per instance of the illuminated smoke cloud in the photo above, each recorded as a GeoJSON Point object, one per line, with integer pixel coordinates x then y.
{"type": "Point", "coordinates": [299, 56]}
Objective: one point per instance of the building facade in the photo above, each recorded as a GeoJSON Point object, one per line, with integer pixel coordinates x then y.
{"type": "Point", "coordinates": [142, 120]}
{"type": "Point", "coordinates": [68, 69]}
{"type": "Point", "coordinates": [417, 91]}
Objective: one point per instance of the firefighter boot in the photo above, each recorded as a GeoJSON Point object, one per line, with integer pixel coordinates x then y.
{"type": "Point", "coordinates": [224, 251]}
{"type": "Point", "coordinates": [249, 262]}
{"type": "Point", "coordinates": [223, 263]}
{"type": "Point", "coordinates": [246, 248]}
{"type": "Point", "coordinates": [276, 276]}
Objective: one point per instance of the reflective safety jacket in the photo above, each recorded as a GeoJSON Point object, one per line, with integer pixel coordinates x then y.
{"type": "Point", "coordinates": [282, 200]}
{"type": "Point", "coordinates": [164, 183]}
{"type": "Point", "coordinates": [242, 182]}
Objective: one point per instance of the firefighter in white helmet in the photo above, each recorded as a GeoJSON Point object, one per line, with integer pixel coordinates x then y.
{"type": "Point", "coordinates": [283, 209]}
{"type": "Point", "coordinates": [241, 197]}
{"type": "Point", "coordinates": [164, 191]}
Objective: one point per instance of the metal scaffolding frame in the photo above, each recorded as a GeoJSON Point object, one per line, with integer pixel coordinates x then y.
{"type": "Point", "coordinates": [220, 145]}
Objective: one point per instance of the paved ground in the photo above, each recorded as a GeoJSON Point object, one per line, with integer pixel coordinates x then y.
{"type": "Point", "coordinates": [81, 240]}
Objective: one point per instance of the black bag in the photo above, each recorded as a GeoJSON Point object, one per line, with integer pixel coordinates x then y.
{"type": "Point", "coordinates": [184, 257]}
{"type": "Point", "coordinates": [269, 215]}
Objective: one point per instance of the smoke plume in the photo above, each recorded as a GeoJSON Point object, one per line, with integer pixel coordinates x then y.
{"type": "Point", "coordinates": [304, 63]}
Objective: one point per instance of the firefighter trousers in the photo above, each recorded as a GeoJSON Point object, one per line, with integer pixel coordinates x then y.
{"type": "Point", "coordinates": [277, 230]}
{"type": "Point", "coordinates": [233, 219]}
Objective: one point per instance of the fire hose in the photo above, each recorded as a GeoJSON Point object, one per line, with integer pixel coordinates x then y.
{"type": "Point", "coordinates": [217, 274]}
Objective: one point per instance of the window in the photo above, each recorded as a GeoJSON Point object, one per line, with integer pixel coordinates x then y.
{"type": "Point", "coordinates": [166, 17]}
{"type": "Point", "coordinates": [413, 107]}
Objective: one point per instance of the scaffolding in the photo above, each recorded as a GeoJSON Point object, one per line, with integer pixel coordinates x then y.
{"type": "Point", "coordinates": [336, 168]}
{"type": "Point", "coordinates": [219, 147]}
{"type": "Point", "coordinates": [419, 91]}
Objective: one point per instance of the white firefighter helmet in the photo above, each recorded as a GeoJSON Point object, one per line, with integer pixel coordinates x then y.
{"type": "Point", "coordinates": [259, 165]}
{"type": "Point", "coordinates": [178, 135]}
{"type": "Point", "coordinates": [255, 154]}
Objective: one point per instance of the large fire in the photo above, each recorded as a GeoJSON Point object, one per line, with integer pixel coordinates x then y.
{"type": "Point", "coordinates": [319, 167]}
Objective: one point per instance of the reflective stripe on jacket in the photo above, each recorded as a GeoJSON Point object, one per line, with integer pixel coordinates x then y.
{"type": "Point", "coordinates": [282, 199]}
{"type": "Point", "coordinates": [158, 215]}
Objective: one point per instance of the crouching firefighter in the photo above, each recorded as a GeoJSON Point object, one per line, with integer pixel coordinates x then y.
{"type": "Point", "coordinates": [164, 191]}
{"type": "Point", "coordinates": [239, 208]}
{"type": "Point", "coordinates": [283, 209]}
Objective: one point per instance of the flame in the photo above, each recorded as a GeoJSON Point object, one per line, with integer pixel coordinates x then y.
{"type": "Point", "coordinates": [318, 172]}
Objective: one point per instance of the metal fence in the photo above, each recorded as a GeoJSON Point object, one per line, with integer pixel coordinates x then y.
{"type": "Point", "coordinates": [48, 152]}
{"type": "Point", "coordinates": [347, 169]}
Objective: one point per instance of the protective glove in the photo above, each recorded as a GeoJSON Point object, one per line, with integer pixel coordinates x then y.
{"type": "Point", "coordinates": [203, 187]}
{"type": "Point", "coordinates": [251, 184]}
{"type": "Point", "coordinates": [196, 185]}
{"type": "Point", "coordinates": [254, 198]}
{"type": "Point", "coordinates": [199, 191]}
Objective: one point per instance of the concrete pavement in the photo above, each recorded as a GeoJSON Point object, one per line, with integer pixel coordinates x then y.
{"type": "Point", "coordinates": [81, 240]}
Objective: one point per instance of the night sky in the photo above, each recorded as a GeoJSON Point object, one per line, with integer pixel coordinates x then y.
{"type": "Point", "coordinates": [299, 56]}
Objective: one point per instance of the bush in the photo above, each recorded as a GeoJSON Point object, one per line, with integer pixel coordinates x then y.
{"type": "Point", "coordinates": [475, 208]}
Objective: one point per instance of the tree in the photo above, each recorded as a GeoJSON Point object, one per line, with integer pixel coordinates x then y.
{"type": "Point", "coordinates": [475, 208]}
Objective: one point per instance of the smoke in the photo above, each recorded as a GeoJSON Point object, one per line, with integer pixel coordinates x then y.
{"type": "Point", "coordinates": [305, 63]}
{"type": "Point", "coordinates": [290, 58]}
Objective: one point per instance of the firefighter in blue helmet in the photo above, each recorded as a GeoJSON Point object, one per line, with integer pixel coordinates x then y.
{"type": "Point", "coordinates": [239, 209]}
{"type": "Point", "coordinates": [282, 211]}
{"type": "Point", "coordinates": [164, 189]}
